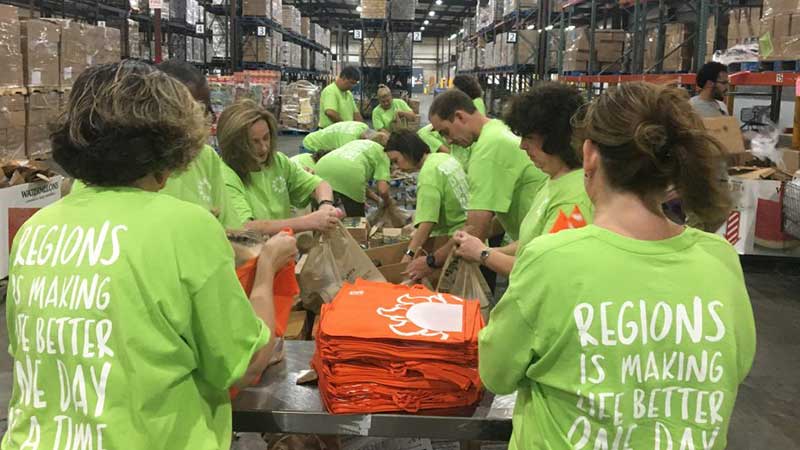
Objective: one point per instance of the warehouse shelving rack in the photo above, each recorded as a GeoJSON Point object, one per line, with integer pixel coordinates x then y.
{"type": "Point", "coordinates": [236, 25]}
{"type": "Point", "coordinates": [115, 13]}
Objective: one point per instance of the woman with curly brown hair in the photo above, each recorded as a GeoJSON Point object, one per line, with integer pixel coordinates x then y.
{"type": "Point", "coordinates": [128, 324]}
{"type": "Point", "coordinates": [632, 332]}
{"type": "Point", "coordinates": [263, 184]}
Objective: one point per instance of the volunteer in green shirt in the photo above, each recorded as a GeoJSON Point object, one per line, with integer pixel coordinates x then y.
{"type": "Point", "coordinates": [442, 189]}
{"type": "Point", "coordinates": [201, 182]}
{"type": "Point", "coordinates": [349, 170]}
{"type": "Point", "coordinates": [470, 86]}
{"type": "Point", "coordinates": [306, 161]}
{"type": "Point", "coordinates": [334, 136]}
{"type": "Point", "coordinates": [390, 110]}
{"type": "Point", "coordinates": [543, 117]}
{"type": "Point", "coordinates": [143, 325]}
{"type": "Point", "coordinates": [436, 144]}
{"type": "Point", "coordinates": [263, 185]}
{"type": "Point", "coordinates": [502, 179]}
{"type": "Point", "coordinates": [336, 103]}
{"type": "Point", "coordinates": [632, 332]}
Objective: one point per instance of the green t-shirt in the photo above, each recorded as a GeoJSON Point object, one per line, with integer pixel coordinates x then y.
{"type": "Point", "coordinates": [202, 184]}
{"type": "Point", "coordinates": [382, 118]}
{"type": "Point", "coordinates": [442, 194]}
{"type": "Point", "coordinates": [480, 105]}
{"type": "Point", "coordinates": [334, 136]}
{"type": "Point", "coordinates": [342, 102]}
{"type": "Point", "coordinates": [610, 339]}
{"type": "Point", "coordinates": [125, 324]}
{"type": "Point", "coordinates": [304, 161]}
{"type": "Point", "coordinates": [348, 169]}
{"type": "Point", "coordinates": [502, 177]}
{"type": "Point", "coordinates": [557, 196]}
{"type": "Point", "coordinates": [434, 141]}
{"type": "Point", "coordinates": [270, 193]}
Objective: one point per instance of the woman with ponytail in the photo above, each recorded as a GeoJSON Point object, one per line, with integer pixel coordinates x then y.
{"type": "Point", "coordinates": [632, 332]}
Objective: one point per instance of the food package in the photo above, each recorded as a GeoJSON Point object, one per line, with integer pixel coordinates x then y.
{"type": "Point", "coordinates": [40, 41]}
{"type": "Point", "coordinates": [10, 52]}
{"type": "Point", "coordinates": [300, 104]}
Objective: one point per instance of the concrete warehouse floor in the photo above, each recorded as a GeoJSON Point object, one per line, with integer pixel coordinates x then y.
{"type": "Point", "coordinates": [767, 411]}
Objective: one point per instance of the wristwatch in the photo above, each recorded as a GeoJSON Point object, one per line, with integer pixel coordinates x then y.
{"type": "Point", "coordinates": [326, 202]}
{"type": "Point", "coordinates": [430, 260]}
{"type": "Point", "coordinates": [410, 253]}
{"type": "Point", "coordinates": [485, 255]}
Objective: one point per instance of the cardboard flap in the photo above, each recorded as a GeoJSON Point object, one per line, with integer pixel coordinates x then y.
{"type": "Point", "coordinates": [726, 130]}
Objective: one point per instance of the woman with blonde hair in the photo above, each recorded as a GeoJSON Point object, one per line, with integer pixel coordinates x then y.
{"type": "Point", "coordinates": [633, 331]}
{"type": "Point", "coordinates": [159, 327]}
{"type": "Point", "coordinates": [390, 110]}
{"type": "Point", "coordinates": [263, 184]}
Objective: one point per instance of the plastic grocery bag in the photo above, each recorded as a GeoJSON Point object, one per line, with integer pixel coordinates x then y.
{"type": "Point", "coordinates": [464, 279]}
{"type": "Point", "coordinates": [391, 216]}
{"type": "Point", "coordinates": [334, 259]}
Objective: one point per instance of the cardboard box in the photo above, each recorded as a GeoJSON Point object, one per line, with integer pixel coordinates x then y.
{"type": "Point", "coordinates": [790, 160]}
{"type": "Point", "coordinates": [18, 204]}
{"type": "Point", "coordinates": [358, 228]}
{"type": "Point", "coordinates": [373, 9]}
{"type": "Point", "coordinates": [296, 328]}
{"type": "Point", "coordinates": [260, 8]}
{"type": "Point", "coordinates": [12, 111]}
{"type": "Point", "coordinates": [40, 42]}
{"type": "Point", "coordinates": [726, 130]}
{"type": "Point", "coordinates": [12, 143]}
{"type": "Point", "coordinates": [10, 52]}
{"type": "Point", "coordinates": [73, 51]}
{"type": "Point", "coordinates": [305, 26]}
{"type": "Point", "coordinates": [775, 7]}
{"type": "Point", "coordinates": [37, 142]}
{"type": "Point", "coordinates": [675, 35]}
{"type": "Point", "coordinates": [256, 49]}
{"type": "Point", "coordinates": [291, 19]}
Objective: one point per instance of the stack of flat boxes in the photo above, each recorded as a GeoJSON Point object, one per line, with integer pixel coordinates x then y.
{"type": "Point", "coordinates": [781, 23]}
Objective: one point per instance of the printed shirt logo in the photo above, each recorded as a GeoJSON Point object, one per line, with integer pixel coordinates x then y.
{"type": "Point", "coordinates": [279, 185]}
{"type": "Point", "coordinates": [430, 316]}
{"type": "Point", "coordinates": [204, 190]}
{"type": "Point", "coordinates": [455, 175]}
{"type": "Point", "coordinates": [564, 222]}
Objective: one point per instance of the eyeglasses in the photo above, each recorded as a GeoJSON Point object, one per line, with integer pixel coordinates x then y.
{"type": "Point", "coordinates": [723, 82]}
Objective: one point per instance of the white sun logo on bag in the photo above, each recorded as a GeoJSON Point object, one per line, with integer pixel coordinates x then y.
{"type": "Point", "coordinates": [430, 316]}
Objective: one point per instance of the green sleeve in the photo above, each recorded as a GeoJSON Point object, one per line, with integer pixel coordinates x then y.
{"type": "Point", "coordinates": [301, 184]}
{"type": "Point", "coordinates": [237, 198]}
{"type": "Point", "coordinates": [402, 105]}
{"type": "Point", "coordinates": [217, 308]}
{"type": "Point", "coordinates": [507, 346]}
{"type": "Point", "coordinates": [429, 136]}
{"type": "Point", "coordinates": [490, 187]}
{"type": "Point", "coordinates": [382, 171]}
{"type": "Point", "coordinates": [227, 216]}
{"type": "Point", "coordinates": [377, 119]}
{"type": "Point", "coordinates": [429, 203]}
{"type": "Point", "coordinates": [328, 101]}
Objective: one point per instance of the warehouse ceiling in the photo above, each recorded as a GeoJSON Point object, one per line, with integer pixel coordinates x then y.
{"type": "Point", "coordinates": [447, 19]}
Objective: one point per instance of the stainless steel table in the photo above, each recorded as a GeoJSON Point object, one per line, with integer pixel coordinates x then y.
{"type": "Point", "coordinates": [279, 405]}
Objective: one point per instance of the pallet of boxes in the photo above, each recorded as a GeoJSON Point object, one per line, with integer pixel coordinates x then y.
{"type": "Point", "coordinates": [780, 32]}
{"type": "Point", "coordinates": [765, 184]}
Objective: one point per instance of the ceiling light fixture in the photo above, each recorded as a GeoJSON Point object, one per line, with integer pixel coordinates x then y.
{"type": "Point", "coordinates": [439, 2]}
{"type": "Point", "coordinates": [548, 28]}
{"type": "Point", "coordinates": [570, 28]}
{"type": "Point", "coordinates": [426, 22]}
{"type": "Point", "coordinates": [530, 27]}
{"type": "Point", "coordinates": [431, 13]}
{"type": "Point", "coordinates": [359, 8]}
{"type": "Point", "coordinates": [422, 29]}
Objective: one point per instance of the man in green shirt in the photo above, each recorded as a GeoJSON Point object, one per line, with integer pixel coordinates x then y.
{"type": "Point", "coordinates": [442, 188]}
{"type": "Point", "coordinates": [390, 110]}
{"type": "Point", "coordinates": [435, 142]}
{"type": "Point", "coordinates": [334, 136]}
{"type": "Point", "coordinates": [502, 179]}
{"type": "Point", "coordinates": [336, 103]}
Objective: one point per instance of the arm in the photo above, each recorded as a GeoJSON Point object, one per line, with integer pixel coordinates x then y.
{"type": "Point", "coordinates": [470, 248]}
{"type": "Point", "coordinates": [323, 192]}
{"type": "Point", "coordinates": [444, 149]}
{"type": "Point", "coordinates": [333, 115]}
{"type": "Point", "coordinates": [357, 116]}
{"type": "Point", "coordinates": [407, 115]}
{"type": "Point", "coordinates": [418, 239]}
{"type": "Point", "coordinates": [383, 192]}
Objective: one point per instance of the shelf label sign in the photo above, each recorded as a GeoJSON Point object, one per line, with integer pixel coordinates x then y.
{"type": "Point", "coordinates": [155, 4]}
{"type": "Point", "coordinates": [358, 34]}
{"type": "Point", "coordinates": [200, 28]}
{"type": "Point", "coordinates": [417, 36]}
{"type": "Point", "coordinates": [261, 31]}
{"type": "Point", "coordinates": [779, 78]}
{"type": "Point", "coordinates": [511, 38]}
{"type": "Point", "coordinates": [101, 23]}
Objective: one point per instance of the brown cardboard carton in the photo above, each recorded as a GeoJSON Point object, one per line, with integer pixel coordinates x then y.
{"type": "Point", "coordinates": [37, 142]}
{"type": "Point", "coordinates": [10, 52]}
{"type": "Point", "coordinates": [296, 328]}
{"type": "Point", "coordinates": [43, 108]}
{"type": "Point", "coordinates": [726, 130]}
{"type": "Point", "coordinates": [12, 143]}
{"type": "Point", "coordinates": [790, 160]}
{"type": "Point", "coordinates": [260, 8]}
{"type": "Point", "coordinates": [256, 49]}
{"type": "Point", "coordinates": [74, 51]}
{"type": "Point", "coordinates": [104, 45]}
{"type": "Point", "coordinates": [373, 9]}
{"type": "Point", "coordinates": [775, 7]}
{"type": "Point", "coordinates": [12, 111]}
{"type": "Point", "coordinates": [305, 26]}
{"type": "Point", "coordinates": [40, 41]}
{"type": "Point", "coordinates": [358, 228]}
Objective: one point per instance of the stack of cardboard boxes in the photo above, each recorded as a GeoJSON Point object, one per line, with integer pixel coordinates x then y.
{"type": "Point", "coordinates": [511, 6]}
{"type": "Point", "coordinates": [257, 49]}
{"type": "Point", "coordinates": [373, 9]}
{"type": "Point", "coordinates": [373, 51]}
{"type": "Point", "coordinates": [609, 46]}
{"type": "Point", "coordinates": [401, 47]}
{"type": "Point", "coordinates": [403, 10]}
{"type": "Point", "coordinates": [744, 25]}
{"type": "Point", "coordinates": [675, 35]}
{"type": "Point", "coordinates": [780, 30]}
{"type": "Point", "coordinates": [291, 19]}
{"type": "Point", "coordinates": [486, 16]}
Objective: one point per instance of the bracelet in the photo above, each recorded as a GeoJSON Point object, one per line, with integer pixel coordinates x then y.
{"type": "Point", "coordinates": [431, 261]}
